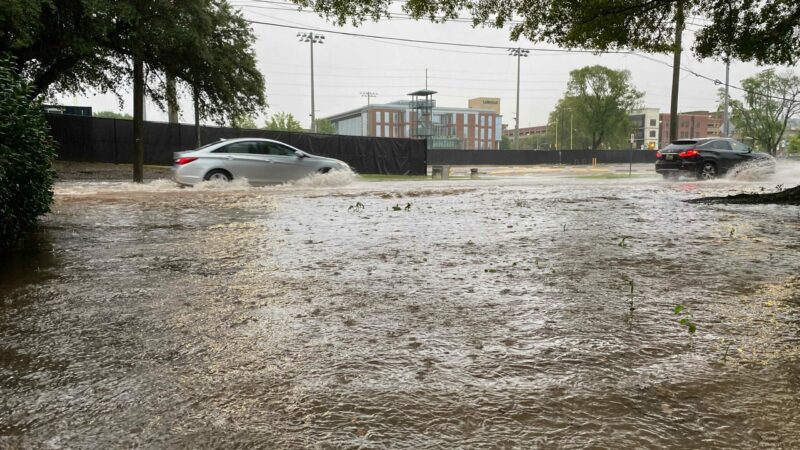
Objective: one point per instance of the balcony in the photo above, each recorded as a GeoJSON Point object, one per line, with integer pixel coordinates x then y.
{"type": "Point", "coordinates": [422, 104]}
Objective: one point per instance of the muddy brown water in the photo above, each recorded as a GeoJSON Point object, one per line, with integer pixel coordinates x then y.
{"type": "Point", "coordinates": [491, 314]}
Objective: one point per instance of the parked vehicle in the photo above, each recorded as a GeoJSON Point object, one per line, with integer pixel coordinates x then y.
{"type": "Point", "coordinates": [709, 158]}
{"type": "Point", "coordinates": [260, 161]}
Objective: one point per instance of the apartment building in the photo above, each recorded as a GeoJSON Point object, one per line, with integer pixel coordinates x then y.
{"type": "Point", "coordinates": [450, 127]}
{"type": "Point", "coordinates": [693, 124]}
{"type": "Point", "coordinates": [645, 128]}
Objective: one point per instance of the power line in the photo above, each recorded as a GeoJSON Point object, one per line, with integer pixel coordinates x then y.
{"type": "Point", "coordinates": [504, 48]}
{"type": "Point", "coordinates": [421, 41]}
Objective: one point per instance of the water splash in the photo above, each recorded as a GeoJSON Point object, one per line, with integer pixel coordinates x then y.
{"type": "Point", "coordinates": [237, 184]}
{"type": "Point", "coordinates": [786, 171]}
{"type": "Point", "coordinates": [334, 178]}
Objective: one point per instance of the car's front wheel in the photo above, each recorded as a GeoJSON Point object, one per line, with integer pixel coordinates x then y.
{"type": "Point", "coordinates": [218, 175]}
{"type": "Point", "coordinates": [708, 171]}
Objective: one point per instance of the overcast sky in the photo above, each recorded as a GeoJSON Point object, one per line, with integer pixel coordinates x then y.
{"type": "Point", "coordinates": [344, 66]}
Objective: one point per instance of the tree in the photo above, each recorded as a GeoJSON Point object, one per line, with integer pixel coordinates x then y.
{"type": "Point", "coordinates": [282, 121]}
{"type": "Point", "coordinates": [596, 107]}
{"type": "Point", "coordinates": [505, 143]}
{"type": "Point", "coordinates": [766, 31]}
{"type": "Point", "coordinates": [73, 46]}
{"type": "Point", "coordinates": [770, 100]}
{"type": "Point", "coordinates": [793, 145]}
{"type": "Point", "coordinates": [325, 126]}
{"type": "Point", "coordinates": [26, 154]}
{"type": "Point", "coordinates": [245, 122]}
{"type": "Point", "coordinates": [113, 115]}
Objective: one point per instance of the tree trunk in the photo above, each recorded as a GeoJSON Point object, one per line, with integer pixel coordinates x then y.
{"type": "Point", "coordinates": [138, 119]}
{"type": "Point", "coordinates": [172, 100]}
{"type": "Point", "coordinates": [676, 72]}
{"type": "Point", "coordinates": [196, 96]}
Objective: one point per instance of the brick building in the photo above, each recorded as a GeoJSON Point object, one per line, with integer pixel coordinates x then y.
{"type": "Point", "coordinates": [452, 128]}
{"type": "Point", "coordinates": [692, 124]}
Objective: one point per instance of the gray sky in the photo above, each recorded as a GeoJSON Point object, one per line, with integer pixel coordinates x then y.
{"type": "Point", "coordinates": [345, 66]}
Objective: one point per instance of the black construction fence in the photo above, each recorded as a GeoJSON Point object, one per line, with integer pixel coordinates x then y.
{"type": "Point", "coordinates": [532, 157]}
{"type": "Point", "coordinates": [95, 139]}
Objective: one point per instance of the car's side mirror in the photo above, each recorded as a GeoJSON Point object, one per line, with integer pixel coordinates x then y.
{"type": "Point", "coordinates": [300, 154]}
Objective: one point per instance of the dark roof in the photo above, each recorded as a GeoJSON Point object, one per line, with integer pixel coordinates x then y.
{"type": "Point", "coordinates": [423, 92]}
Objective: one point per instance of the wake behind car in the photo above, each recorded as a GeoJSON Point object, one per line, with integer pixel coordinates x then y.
{"type": "Point", "coordinates": [709, 158]}
{"type": "Point", "coordinates": [260, 161]}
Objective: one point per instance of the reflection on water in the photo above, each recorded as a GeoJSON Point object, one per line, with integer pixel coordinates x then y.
{"type": "Point", "coordinates": [491, 313]}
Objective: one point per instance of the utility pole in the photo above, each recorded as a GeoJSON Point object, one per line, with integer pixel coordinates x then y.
{"type": "Point", "coordinates": [726, 132]}
{"type": "Point", "coordinates": [519, 53]}
{"type": "Point", "coordinates": [369, 95]}
{"type": "Point", "coordinates": [676, 71]}
{"type": "Point", "coordinates": [312, 38]}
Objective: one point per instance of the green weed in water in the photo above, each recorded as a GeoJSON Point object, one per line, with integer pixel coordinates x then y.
{"type": "Point", "coordinates": [686, 318]}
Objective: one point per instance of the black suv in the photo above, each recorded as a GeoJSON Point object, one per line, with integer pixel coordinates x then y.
{"type": "Point", "coordinates": [708, 158]}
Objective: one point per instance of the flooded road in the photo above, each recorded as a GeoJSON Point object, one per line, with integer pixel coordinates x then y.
{"type": "Point", "coordinates": [489, 313]}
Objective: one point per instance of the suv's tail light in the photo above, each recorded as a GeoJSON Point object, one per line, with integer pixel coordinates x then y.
{"type": "Point", "coordinates": [185, 160]}
{"type": "Point", "coordinates": [659, 155]}
{"type": "Point", "coordinates": [688, 153]}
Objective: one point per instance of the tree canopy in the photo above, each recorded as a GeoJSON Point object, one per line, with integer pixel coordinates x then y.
{"type": "Point", "coordinates": [770, 100]}
{"type": "Point", "coordinates": [596, 107]}
{"type": "Point", "coordinates": [324, 126]}
{"type": "Point", "coordinates": [76, 45]}
{"type": "Point", "coordinates": [766, 31]}
{"type": "Point", "coordinates": [113, 115]}
{"type": "Point", "coordinates": [282, 121]}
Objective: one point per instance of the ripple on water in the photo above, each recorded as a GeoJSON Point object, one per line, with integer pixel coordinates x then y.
{"type": "Point", "coordinates": [485, 315]}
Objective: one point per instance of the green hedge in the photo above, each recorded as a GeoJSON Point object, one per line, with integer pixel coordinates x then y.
{"type": "Point", "coordinates": [26, 158]}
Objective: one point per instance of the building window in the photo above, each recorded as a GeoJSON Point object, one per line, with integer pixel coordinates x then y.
{"type": "Point", "coordinates": [386, 131]}
{"type": "Point", "coordinates": [652, 133]}
{"type": "Point", "coordinates": [652, 122]}
{"type": "Point", "coordinates": [377, 130]}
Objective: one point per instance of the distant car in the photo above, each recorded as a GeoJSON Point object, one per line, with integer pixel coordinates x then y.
{"type": "Point", "coordinates": [709, 158]}
{"type": "Point", "coordinates": [260, 161]}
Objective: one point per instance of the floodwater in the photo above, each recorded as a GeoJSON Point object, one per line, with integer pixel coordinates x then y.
{"type": "Point", "coordinates": [490, 313]}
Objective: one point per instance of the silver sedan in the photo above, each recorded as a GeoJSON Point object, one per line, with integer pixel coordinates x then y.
{"type": "Point", "coordinates": [260, 161]}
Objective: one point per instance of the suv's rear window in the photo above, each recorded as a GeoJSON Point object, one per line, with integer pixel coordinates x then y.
{"type": "Point", "coordinates": [683, 144]}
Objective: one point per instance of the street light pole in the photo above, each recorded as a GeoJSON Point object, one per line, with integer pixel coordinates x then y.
{"type": "Point", "coordinates": [369, 95]}
{"type": "Point", "coordinates": [519, 53]}
{"type": "Point", "coordinates": [312, 38]}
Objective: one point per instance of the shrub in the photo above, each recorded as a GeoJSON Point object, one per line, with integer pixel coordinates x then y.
{"type": "Point", "coordinates": [26, 158]}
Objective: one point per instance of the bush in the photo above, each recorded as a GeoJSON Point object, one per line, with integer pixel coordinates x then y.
{"type": "Point", "coordinates": [26, 158]}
